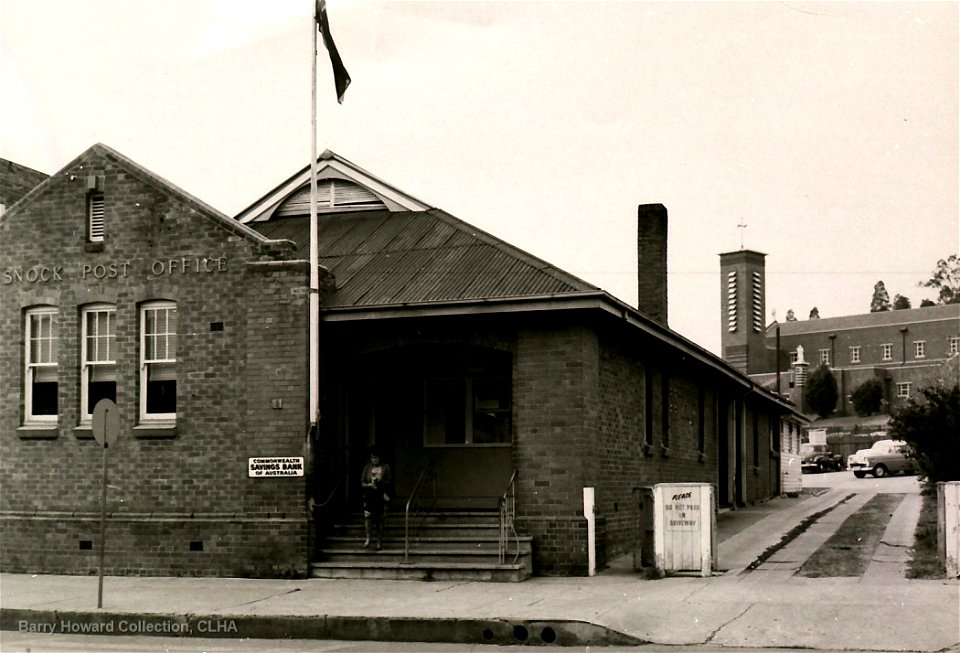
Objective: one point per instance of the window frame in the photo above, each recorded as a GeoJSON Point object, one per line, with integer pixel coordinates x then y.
{"type": "Point", "coordinates": [146, 364]}
{"type": "Point", "coordinates": [886, 351]}
{"type": "Point", "coordinates": [30, 367]}
{"type": "Point", "coordinates": [469, 408]}
{"type": "Point", "coordinates": [87, 366]}
{"type": "Point", "coordinates": [855, 354]}
{"type": "Point", "coordinates": [953, 345]}
{"type": "Point", "coordinates": [903, 389]}
{"type": "Point", "coordinates": [825, 357]}
{"type": "Point", "coordinates": [919, 348]}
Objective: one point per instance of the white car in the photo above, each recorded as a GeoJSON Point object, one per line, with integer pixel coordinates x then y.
{"type": "Point", "coordinates": [883, 458]}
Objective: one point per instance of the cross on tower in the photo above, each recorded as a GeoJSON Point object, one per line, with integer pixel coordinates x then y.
{"type": "Point", "coordinates": [742, 227]}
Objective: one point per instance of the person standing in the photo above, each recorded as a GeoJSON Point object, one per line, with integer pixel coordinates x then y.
{"type": "Point", "coordinates": [376, 484]}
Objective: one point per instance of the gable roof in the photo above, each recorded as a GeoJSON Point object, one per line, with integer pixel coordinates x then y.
{"type": "Point", "coordinates": [146, 176]}
{"type": "Point", "coordinates": [17, 180]}
{"type": "Point", "coordinates": [392, 258]}
{"type": "Point", "coordinates": [330, 166]}
{"type": "Point", "coordinates": [408, 259]}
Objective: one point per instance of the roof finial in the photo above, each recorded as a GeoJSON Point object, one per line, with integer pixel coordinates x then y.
{"type": "Point", "coordinates": [742, 227]}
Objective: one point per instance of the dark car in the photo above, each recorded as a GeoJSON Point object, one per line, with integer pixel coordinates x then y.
{"type": "Point", "coordinates": [819, 458]}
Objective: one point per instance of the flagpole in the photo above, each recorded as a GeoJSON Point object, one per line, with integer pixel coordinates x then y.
{"type": "Point", "coordinates": [314, 258]}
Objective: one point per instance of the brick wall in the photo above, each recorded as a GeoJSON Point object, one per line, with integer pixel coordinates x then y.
{"type": "Point", "coordinates": [626, 463]}
{"type": "Point", "coordinates": [16, 181]}
{"type": "Point", "coordinates": [180, 500]}
{"type": "Point", "coordinates": [557, 420]}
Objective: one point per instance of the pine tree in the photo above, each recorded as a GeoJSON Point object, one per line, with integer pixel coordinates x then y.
{"type": "Point", "coordinates": [881, 299]}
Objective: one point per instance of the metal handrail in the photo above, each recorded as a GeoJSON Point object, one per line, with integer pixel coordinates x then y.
{"type": "Point", "coordinates": [429, 471]}
{"type": "Point", "coordinates": [508, 513]}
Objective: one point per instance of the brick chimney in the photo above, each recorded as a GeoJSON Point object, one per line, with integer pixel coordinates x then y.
{"type": "Point", "coordinates": [652, 261]}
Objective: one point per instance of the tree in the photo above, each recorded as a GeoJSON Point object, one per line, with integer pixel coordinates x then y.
{"type": "Point", "coordinates": [927, 302]}
{"type": "Point", "coordinates": [814, 313]}
{"type": "Point", "coordinates": [946, 280]}
{"type": "Point", "coordinates": [900, 302]}
{"type": "Point", "coordinates": [820, 394]}
{"type": "Point", "coordinates": [931, 426]}
{"type": "Point", "coordinates": [868, 397]}
{"type": "Point", "coordinates": [790, 315]}
{"type": "Point", "coordinates": [881, 299]}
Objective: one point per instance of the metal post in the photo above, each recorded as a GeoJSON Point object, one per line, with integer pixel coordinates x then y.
{"type": "Point", "coordinates": [103, 526]}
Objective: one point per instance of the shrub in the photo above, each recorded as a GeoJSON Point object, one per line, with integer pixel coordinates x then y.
{"type": "Point", "coordinates": [931, 426]}
{"type": "Point", "coordinates": [820, 394]}
{"type": "Point", "coordinates": [868, 397]}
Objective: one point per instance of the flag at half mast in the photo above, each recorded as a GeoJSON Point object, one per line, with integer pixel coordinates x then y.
{"type": "Point", "coordinates": [341, 77]}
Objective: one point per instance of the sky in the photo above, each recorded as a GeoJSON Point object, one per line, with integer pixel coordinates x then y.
{"type": "Point", "coordinates": [829, 129]}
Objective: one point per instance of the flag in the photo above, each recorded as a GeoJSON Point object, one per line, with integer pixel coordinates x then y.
{"type": "Point", "coordinates": [341, 77]}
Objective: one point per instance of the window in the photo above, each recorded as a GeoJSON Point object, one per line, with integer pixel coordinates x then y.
{"type": "Point", "coordinates": [855, 354]}
{"type": "Point", "coordinates": [95, 228]}
{"type": "Point", "coordinates": [794, 357]}
{"type": "Point", "coordinates": [467, 410]}
{"type": "Point", "coordinates": [903, 389]}
{"type": "Point", "coordinates": [701, 419]}
{"type": "Point", "coordinates": [824, 356]}
{"type": "Point", "coordinates": [920, 348]}
{"type": "Point", "coordinates": [98, 375]}
{"type": "Point", "coordinates": [158, 361]}
{"type": "Point", "coordinates": [664, 410]}
{"type": "Point", "coordinates": [954, 347]}
{"type": "Point", "coordinates": [886, 351]}
{"type": "Point", "coordinates": [648, 406]}
{"type": "Point", "coordinates": [40, 387]}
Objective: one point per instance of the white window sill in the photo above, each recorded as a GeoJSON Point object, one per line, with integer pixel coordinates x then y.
{"type": "Point", "coordinates": [157, 429]}
{"type": "Point", "coordinates": [39, 430]}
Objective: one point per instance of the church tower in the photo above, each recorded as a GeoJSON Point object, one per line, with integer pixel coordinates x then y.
{"type": "Point", "coordinates": [743, 310]}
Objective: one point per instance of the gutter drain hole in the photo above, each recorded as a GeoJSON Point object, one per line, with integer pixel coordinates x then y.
{"type": "Point", "coordinates": [548, 635]}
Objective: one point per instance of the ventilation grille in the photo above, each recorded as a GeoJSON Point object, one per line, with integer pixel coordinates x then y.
{"type": "Point", "coordinates": [95, 216]}
{"type": "Point", "coordinates": [732, 301]}
{"type": "Point", "coordinates": [757, 303]}
{"type": "Point", "coordinates": [332, 195]}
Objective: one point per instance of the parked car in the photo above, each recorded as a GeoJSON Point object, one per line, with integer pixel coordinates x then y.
{"type": "Point", "coordinates": [819, 458]}
{"type": "Point", "coordinates": [885, 457]}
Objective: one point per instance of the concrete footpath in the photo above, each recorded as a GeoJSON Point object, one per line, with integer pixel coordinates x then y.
{"type": "Point", "coordinates": [758, 601]}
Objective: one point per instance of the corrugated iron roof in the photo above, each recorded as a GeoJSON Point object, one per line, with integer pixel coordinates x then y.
{"type": "Point", "coordinates": [410, 257]}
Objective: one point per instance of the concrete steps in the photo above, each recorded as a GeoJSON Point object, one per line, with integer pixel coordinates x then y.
{"type": "Point", "coordinates": [447, 546]}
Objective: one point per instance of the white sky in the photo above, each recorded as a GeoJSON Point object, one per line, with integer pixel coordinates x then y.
{"type": "Point", "coordinates": [830, 129]}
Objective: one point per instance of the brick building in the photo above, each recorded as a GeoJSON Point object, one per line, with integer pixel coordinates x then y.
{"type": "Point", "coordinates": [448, 348]}
{"type": "Point", "coordinates": [16, 181]}
{"type": "Point", "coordinates": [115, 284]}
{"type": "Point", "coordinates": [905, 349]}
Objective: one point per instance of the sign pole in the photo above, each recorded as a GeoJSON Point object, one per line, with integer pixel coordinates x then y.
{"type": "Point", "coordinates": [105, 424]}
{"type": "Point", "coordinates": [103, 526]}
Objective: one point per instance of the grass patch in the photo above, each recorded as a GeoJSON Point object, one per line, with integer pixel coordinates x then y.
{"type": "Point", "coordinates": [848, 551]}
{"type": "Point", "coordinates": [793, 534]}
{"type": "Point", "coordinates": [924, 561]}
